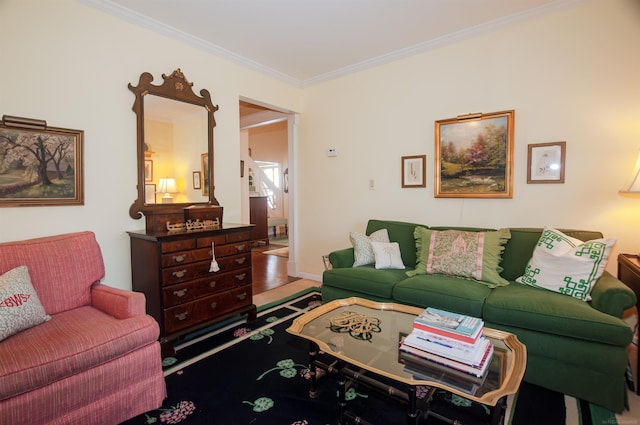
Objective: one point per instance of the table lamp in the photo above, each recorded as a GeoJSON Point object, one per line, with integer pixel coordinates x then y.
{"type": "Point", "coordinates": [167, 185]}
{"type": "Point", "coordinates": [633, 187]}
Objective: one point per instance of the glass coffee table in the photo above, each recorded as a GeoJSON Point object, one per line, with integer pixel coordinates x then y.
{"type": "Point", "coordinates": [363, 336]}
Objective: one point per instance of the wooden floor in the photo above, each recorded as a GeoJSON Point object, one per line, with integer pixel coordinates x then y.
{"type": "Point", "coordinates": [269, 271]}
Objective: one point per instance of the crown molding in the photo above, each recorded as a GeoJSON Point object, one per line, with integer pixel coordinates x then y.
{"type": "Point", "coordinates": [169, 31]}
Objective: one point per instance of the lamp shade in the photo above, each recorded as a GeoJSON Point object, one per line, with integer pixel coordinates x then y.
{"type": "Point", "coordinates": [634, 183]}
{"type": "Point", "coordinates": [167, 185]}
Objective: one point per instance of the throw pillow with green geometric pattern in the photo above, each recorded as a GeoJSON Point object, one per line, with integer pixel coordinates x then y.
{"type": "Point", "coordinates": [567, 265]}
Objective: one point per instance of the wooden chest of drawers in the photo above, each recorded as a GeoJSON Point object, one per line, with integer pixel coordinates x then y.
{"type": "Point", "coordinates": [172, 270]}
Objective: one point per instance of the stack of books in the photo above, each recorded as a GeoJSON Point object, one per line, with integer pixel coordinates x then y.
{"type": "Point", "coordinates": [445, 342]}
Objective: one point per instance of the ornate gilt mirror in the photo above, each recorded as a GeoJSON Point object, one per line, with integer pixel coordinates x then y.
{"type": "Point", "coordinates": [175, 145]}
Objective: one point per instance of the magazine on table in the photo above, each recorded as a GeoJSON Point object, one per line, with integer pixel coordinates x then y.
{"type": "Point", "coordinates": [453, 325]}
{"type": "Point", "coordinates": [427, 358]}
{"type": "Point", "coordinates": [472, 356]}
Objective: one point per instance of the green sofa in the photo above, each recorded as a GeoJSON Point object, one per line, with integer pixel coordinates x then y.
{"type": "Point", "coordinates": [573, 347]}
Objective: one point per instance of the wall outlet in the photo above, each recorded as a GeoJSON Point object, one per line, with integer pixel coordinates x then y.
{"type": "Point", "coordinates": [332, 152]}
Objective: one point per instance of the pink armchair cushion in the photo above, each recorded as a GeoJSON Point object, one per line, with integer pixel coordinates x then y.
{"type": "Point", "coordinates": [62, 267]}
{"type": "Point", "coordinates": [71, 342]}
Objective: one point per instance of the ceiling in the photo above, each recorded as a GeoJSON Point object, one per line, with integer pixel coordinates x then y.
{"type": "Point", "coordinates": [307, 41]}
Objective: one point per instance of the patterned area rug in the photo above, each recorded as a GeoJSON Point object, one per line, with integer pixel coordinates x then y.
{"type": "Point", "coordinates": [256, 373]}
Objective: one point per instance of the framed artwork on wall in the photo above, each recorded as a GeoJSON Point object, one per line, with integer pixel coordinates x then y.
{"type": "Point", "coordinates": [474, 156]}
{"type": "Point", "coordinates": [148, 170]}
{"type": "Point", "coordinates": [149, 193]}
{"type": "Point", "coordinates": [40, 165]}
{"type": "Point", "coordinates": [414, 171]}
{"type": "Point", "coordinates": [204, 160]}
{"type": "Point", "coordinates": [545, 162]}
{"type": "Point", "coordinates": [196, 180]}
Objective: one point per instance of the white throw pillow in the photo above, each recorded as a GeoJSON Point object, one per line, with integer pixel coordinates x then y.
{"type": "Point", "coordinates": [362, 252]}
{"type": "Point", "coordinates": [20, 307]}
{"type": "Point", "coordinates": [387, 255]}
{"type": "Point", "coordinates": [567, 265]}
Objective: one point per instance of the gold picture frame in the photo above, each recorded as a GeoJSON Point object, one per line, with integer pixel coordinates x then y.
{"type": "Point", "coordinates": [40, 165]}
{"type": "Point", "coordinates": [474, 156]}
{"type": "Point", "coordinates": [414, 171]}
{"type": "Point", "coordinates": [545, 162]}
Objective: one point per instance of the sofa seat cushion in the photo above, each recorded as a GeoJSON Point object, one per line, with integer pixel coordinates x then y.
{"type": "Point", "coordinates": [537, 309]}
{"type": "Point", "coordinates": [364, 280]}
{"type": "Point", "coordinates": [69, 343]}
{"type": "Point", "coordinates": [443, 292]}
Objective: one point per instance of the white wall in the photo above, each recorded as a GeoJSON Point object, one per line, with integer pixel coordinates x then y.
{"type": "Point", "coordinates": [70, 64]}
{"type": "Point", "coordinates": [572, 76]}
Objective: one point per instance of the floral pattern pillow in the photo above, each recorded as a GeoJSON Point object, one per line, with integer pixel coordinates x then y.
{"type": "Point", "coordinates": [470, 255]}
{"type": "Point", "coordinates": [362, 251]}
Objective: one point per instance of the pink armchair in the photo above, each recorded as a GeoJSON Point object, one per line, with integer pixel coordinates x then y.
{"type": "Point", "coordinates": [97, 361]}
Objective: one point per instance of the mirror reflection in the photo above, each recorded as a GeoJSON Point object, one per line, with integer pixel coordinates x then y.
{"type": "Point", "coordinates": [175, 137]}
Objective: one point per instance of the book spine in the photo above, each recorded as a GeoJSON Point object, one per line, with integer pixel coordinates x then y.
{"type": "Point", "coordinates": [458, 323]}
{"type": "Point", "coordinates": [446, 341]}
{"type": "Point", "coordinates": [439, 331]}
{"type": "Point", "coordinates": [471, 357]}
{"type": "Point", "coordinates": [477, 371]}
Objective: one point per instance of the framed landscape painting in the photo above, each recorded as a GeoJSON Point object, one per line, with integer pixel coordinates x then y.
{"type": "Point", "coordinates": [40, 165]}
{"type": "Point", "coordinates": [474, 156]}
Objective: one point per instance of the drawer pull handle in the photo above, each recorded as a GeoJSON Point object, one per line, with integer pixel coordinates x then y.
{"type": "Point", "coordinates": [179, 258]}
{"type": "Point", "coordinates": [182, 316]}
{"type": "Point", "coordinates": [180, 293]}
{"type": "Point", "coordinates": [214, 306]}
{"type": "Point", "coordinates": [241, 276]}
{"type": "Point", "coordinates": [241, 260]}
{"type": "Point", "coordinates": [240, 247]}
{"type": "Point", "coordinates": [241, 296]}
{"type": "Point", "coordinates": [213, 284]}
{"type": "Point", "coordinates": [180, 273]}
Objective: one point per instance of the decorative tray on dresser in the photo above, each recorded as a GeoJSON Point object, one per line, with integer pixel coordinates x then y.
{"type": "Point", "coordinates": [172, 269]}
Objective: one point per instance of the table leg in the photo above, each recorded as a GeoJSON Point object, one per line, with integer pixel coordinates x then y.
{"type": "Point", "coordinates": [412, 411]}
{"type": "Point", "coordinates": [342, 403]}
{"type": "Point", "coordinates": [498, 412]}
{"type": "Point", "coordinates": [313, 375]}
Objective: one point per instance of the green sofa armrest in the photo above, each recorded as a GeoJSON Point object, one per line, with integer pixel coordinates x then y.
{"type": "Point", "coordinates": [342, 258]}
{"type": "Point", "coordinates": [611, 296]}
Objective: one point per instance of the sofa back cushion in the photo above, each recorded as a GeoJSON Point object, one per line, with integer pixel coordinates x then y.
{"type": "Point", "coordinates": [62, 267]}
{"type": "Point", "coordinates": [519, 249]}
{"type": "Point", "coordinates": [400, 232]}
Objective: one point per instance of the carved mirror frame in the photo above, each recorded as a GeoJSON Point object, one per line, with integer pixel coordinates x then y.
{"type": "Point", "coordinates": [175, 87]}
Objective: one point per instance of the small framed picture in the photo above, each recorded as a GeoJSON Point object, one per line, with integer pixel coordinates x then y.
{"type": "Point", "coordinates": [149, 193]}
{"type": "Point", "coordinates": [196, 180]}
{"type": "Point", "coordinates": [413, 171]}
{"type": "Point", "coordinates": [545, 162]}
{"type": "Point", "coordinates": [148, 170]}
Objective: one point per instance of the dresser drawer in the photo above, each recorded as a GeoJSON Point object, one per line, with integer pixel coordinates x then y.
{"type": "Point", "coordinates": [234, 262]}
{"type": "Point", "coordinates": [185, 257]}
{"type": "Point", "coordinates": [198, 288]}
{"type": "Point", "coordinates": [192, 313]}
{"type": "Point", "coordinates": [239, 236]}
{"type": "Point", "coordinates": [179, 245]}
{"type": "Point", "coordinates": [182, 273]}
{"type": "Point", "coordinates": [206, 242]}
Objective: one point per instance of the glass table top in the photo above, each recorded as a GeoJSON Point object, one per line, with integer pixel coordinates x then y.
{"type": "Point", "coordinates": [373, 344]}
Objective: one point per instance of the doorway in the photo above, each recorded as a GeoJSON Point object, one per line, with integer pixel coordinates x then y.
{"type": "Point", "coordinates": [266, 146]}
